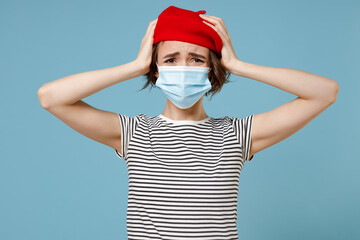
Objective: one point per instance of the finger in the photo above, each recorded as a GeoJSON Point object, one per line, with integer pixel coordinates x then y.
{"type": "Point", "coordinates": [219, 31]}
{"type": "Point", "coordinates": [148, 29]}
{"type": "Point", "coordinates": [151, 27]}
{"type": "Point", "coordinates": [153, 30]}
{"type": "Point", "coordinates": [154, 22]}
{"type": "Point", "coordinates": [216, 20]}
{"type": "Point", "coordinates": [210, 16]}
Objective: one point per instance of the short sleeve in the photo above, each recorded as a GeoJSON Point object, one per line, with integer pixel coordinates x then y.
{"type": "Point", "coordinates": [242, 128]}
{"type": "Point", "coordinates": [128, 126]}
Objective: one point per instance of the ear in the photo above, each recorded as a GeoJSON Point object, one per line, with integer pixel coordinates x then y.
{"type": "Point", "coordinates": [157, 75]}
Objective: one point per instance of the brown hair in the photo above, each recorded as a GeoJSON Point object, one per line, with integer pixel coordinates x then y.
{"type": "Point", "coordinates": [218, 75]}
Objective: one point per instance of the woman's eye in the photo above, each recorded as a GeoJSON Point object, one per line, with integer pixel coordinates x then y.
{"type": "Point", "coordinates": [171, 60]}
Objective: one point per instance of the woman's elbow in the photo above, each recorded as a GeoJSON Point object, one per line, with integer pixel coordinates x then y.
{"type": "Point", "coordinates": [334, 92]}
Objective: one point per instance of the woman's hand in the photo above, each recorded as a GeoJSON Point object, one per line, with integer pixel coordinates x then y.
{"type": "Point", "coordinates": [145, 53]}
{"type": "Point", "coordinates": [228, 56]}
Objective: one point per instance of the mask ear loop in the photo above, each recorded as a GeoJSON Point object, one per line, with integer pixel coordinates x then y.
{"type": "Point", "coordinates": [207, 96]}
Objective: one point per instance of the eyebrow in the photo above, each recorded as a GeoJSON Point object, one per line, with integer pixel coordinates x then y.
{"type": "Point", "coordinates": [190, 53]}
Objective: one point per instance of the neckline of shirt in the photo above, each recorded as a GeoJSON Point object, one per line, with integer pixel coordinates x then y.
{"type": "Point", "coordinates": [179, 122]}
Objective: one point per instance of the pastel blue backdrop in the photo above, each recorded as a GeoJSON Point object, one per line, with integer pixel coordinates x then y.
{"type": "Point", "coordinates": [57, 184]}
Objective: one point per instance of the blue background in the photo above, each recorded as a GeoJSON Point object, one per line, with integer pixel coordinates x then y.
{"type": "Point", "coordinates": [57, 184]}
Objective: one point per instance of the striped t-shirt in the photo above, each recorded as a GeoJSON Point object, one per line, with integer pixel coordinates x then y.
{"type": "Point", "coordinates": [183, 175]}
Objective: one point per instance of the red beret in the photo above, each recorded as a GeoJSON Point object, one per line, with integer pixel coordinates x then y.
{"type": "Point", "coordinates": [187, 26]}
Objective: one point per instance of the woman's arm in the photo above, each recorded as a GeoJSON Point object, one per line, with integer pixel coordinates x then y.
{"type": "Point", "coordinates": [70, 89]}
{"type": "Point", "coordinates": [73, 88]}
{"type": "Point", "coordinates": [300, 83]}
{"type": "Point", "coordinates": [62, 97]}
{"type": "Point", "coordinates": [315, 94]}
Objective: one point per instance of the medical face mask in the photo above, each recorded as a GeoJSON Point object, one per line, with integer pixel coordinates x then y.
{"type": "Point", "coordinates": [183, 85]}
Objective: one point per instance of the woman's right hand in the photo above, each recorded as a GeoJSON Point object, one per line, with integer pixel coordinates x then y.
{"type": "Point", "coordinates": [145, 53]}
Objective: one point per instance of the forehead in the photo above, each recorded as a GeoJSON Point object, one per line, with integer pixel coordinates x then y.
{"type": "Point", "coordinates": [182, 47]}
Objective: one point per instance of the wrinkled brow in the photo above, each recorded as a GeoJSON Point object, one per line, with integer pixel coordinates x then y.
{"type": "Point", "coordinates": [190, 53]}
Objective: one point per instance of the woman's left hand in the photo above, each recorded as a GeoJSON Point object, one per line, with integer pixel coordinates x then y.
{"type": "Point", "coordinates": [228, 56]}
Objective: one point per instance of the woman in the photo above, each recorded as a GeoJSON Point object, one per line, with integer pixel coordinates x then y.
{"type": "Point", "coordinates": [183, 165]}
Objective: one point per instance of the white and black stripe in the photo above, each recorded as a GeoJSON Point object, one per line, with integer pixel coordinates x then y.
{"type": "Point", "coordinates": [183, 175]}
